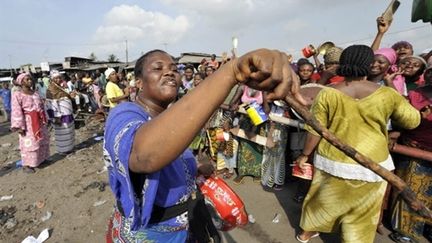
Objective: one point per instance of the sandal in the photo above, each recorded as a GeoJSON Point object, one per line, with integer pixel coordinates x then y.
{"type": "Point", "coordinates": [307, 240]}
{"type": "Point", "coordinates": [399, 238]}
{"type": "Point", "coordinates": [28, 170]}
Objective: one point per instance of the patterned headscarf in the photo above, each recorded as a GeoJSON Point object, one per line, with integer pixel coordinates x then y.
{"type": "Point", "coordinates": [418, 58]}
{"type": "Point", "coordinates": [333, 55]}
{"type": "Point", "coordinates": [20, 78]}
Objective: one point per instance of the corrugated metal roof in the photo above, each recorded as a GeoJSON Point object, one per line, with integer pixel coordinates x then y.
{"type": "Point", "coordinates": [195, 57]}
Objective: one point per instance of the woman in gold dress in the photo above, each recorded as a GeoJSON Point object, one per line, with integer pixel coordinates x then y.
{"type": "Point", "coordinates": [345, 196]}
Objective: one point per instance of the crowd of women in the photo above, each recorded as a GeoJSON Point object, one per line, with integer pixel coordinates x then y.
{"type": "Point", "coordinates": [371, 97]}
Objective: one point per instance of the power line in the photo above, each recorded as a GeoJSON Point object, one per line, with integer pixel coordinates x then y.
{"type": "Point", "coordinates": [390, 33]}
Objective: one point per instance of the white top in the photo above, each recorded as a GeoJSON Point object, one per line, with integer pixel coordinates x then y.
{"type": "Point", "coordinates": [351, 171]}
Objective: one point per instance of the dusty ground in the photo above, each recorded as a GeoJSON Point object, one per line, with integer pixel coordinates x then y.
{"type": "Point", "coordinates": [70, 196]}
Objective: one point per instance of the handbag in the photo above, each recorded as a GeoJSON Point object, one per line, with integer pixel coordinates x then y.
{"type": "Point", "coordinates": [201, 226]}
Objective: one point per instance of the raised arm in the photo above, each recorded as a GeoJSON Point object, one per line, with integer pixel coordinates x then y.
{"type": "Point", "coordinates": [382, 26]}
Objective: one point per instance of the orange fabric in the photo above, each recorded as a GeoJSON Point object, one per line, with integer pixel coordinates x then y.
{"type": "Point", "coordinates": [333, 80]}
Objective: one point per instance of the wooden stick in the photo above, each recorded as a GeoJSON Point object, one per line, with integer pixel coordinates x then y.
{"type": "Point", "coordinates": [406, 192]}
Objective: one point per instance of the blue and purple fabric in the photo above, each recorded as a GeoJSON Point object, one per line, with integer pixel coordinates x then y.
{"type": "Point", "coordinates": [137, 193]}
{"type": "Point", "coordinates": [6, 97]}
{"type": "Point", "coordinates": [60, 113]}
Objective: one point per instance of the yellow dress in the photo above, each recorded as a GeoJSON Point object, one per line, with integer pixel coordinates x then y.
{"type": "Point", "coordinates": [344, 196]}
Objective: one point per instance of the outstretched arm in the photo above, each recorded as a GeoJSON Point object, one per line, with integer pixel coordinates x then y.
{"type": "Point", "coordinates": [160, 140]}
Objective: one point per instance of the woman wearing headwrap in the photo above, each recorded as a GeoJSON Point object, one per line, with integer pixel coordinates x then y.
{"type": "Point", "coordinates": [344, 195]}
{"type": "Point", "coordinates": [331, 63]}
{"type": "Point", "coordinates": [412, 71]}
{"type": "Point", "coordinates": [384, 71]}
{"type": "Point", "coordinates": [60, 112]}
{"type": "Point", "coordinates": [384, 59]}
{"type": "Point", "coordinates": [29, 120]}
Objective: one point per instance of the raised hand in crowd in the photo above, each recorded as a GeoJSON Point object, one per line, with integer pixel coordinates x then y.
{"type": "Point", "coordinates": [328, 72]}
{"type": "Point", "coordinates": [389, 77]}
{"type": "Point", "coordinates": [267, 71]}
{"type": "Point", "coordinates": [382, 25]}
{"type": "Point", "coordinates": [393, 137]}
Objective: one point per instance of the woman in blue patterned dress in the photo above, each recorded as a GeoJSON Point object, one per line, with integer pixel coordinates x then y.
{"type": "Point", "coordinates": [151, 171]}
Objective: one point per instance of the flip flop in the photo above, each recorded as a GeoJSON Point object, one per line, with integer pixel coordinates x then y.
{"type": "Point", "coordinates": [306, 241]}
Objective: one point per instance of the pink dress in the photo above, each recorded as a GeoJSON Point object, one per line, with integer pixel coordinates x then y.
{"type": "Point", "coordinates": [29, 115]}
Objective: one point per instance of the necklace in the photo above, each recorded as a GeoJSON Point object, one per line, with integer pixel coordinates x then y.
{"type": "Point", "coordinates": [152, 112]}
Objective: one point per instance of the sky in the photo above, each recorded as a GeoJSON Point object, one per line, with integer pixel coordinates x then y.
{"type": "Point", "coordinates": [49, 30]}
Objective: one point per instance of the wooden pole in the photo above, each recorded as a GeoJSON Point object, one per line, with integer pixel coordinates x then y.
{"type": "Point", "coordinates": [406, 192]}
{"type": "Point", "coordinates": [412, 152]}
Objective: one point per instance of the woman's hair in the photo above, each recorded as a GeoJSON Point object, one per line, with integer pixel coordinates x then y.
{"type": "Point", "coordinates": [189, 66]}
{"type": "Point", "coordinates": [306, 63]}
{"type": "Point", "coordinates": [400, 44]}
{"type": "Point", "coordinates": [138, 70]}
{"type": "Point", "coordinates": [355, 61]}
{"type": "Point", "coordinates": [202, 75]}
{"type": "Point", "coordinates": [302, 61]}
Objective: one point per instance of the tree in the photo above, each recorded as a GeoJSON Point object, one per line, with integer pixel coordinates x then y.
{"type": "Point", "coordinates": [92, 56]}
{"type": "Point", "coordinates": [112, 58]}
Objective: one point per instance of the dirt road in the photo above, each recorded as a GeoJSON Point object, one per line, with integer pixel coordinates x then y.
{"type": "Point", "coordinates": [71, 197]}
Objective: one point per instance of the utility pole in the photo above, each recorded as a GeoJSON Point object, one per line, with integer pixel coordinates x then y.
{"type": "Point", "coordinates": [165, 45]}
{"type": "Point", "coordinates": [127, 58]}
